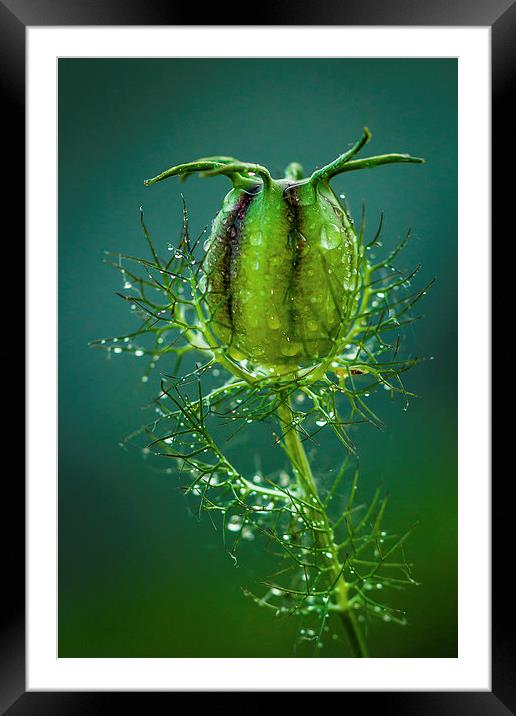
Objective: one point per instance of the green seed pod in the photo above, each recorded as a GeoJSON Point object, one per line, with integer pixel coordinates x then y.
{"type": "Point", "coordinates": [282, 260]}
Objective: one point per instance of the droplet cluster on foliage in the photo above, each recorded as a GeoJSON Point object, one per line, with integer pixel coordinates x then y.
{"type": "Point", "coordinates": [206, 391]}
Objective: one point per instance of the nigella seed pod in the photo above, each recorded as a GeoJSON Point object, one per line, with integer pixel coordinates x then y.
{"type": "Point", "coordinates": [279, 270]}
{"type": "Point", "coordinates": [282, 259]}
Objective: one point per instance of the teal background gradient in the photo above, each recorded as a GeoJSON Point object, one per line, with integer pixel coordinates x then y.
{"type": "Point", "coordinates": [139, 574]}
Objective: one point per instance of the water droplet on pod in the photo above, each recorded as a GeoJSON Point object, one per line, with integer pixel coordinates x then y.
{"type": "Point", "coordinates": [234, 524]}
{"type": "Point", "coordinates": [289, 348]}
{"type": "Point", "coordinates": [273, 322]}
{"type": "Point", "coordinates": [256, 238]}
{"type": "Point", "coordinates": [331, 236]}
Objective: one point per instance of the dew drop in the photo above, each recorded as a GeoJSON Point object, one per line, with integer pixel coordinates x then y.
{"type": "Point", "coordinates": [273, 321]}
{"type": "Point", "coordinates": [289, 348]}
{"type": "Point", "coordinates": [284, 478]}
{"type": "Point", "coordinates": [247, 534]}
{"type": "Point", "coordinates": [234, 524]}
{"type": "Point", "coordinates": [256, 238]}
{"type": "Point", "coordinates": [331, 236]}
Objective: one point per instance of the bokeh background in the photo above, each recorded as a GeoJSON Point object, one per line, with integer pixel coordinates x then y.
{"type": "Point", "coordinates": [139, 574]}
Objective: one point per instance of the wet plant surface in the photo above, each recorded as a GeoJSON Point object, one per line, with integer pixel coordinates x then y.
{"type": "Point", "coordinates": [337, 568]}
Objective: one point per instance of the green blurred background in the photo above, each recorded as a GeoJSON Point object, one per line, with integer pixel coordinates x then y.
{"type": "Point", "coordinates": [139, 574]}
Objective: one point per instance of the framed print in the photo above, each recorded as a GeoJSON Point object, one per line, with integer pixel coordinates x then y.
{"type": "Point", "coordinates": [258, 444]}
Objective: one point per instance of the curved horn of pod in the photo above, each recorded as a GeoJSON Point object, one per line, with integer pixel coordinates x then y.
{"type": "Point", "coordinates": [282, 259]}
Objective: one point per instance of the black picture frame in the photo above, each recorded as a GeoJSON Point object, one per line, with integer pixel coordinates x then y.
{"type": "Point", "coordinates": [15, 16]}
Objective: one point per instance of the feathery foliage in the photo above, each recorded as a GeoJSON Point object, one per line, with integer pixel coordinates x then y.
{"type": "Point", "coordinates": [335, 561]}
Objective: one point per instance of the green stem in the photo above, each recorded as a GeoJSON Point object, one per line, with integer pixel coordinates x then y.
{"type": "Point", "coordinates": [369, 162]}
{"type": "Point", "coordinates": [212, 167]}
{"type": "Point", "coordinates": [301, 466]}
{"type": "Point", "coordinates": [353, 633]}
{"type": "Point", "coordinates": [330, 170]}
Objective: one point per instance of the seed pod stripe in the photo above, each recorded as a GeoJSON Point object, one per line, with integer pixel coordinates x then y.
{"type": "Point", "coordinates": [233, 236]}
{"type": "Point", "coordinates": [220, 264]}
{"type": "Point", "coordinates": [291, 199]}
